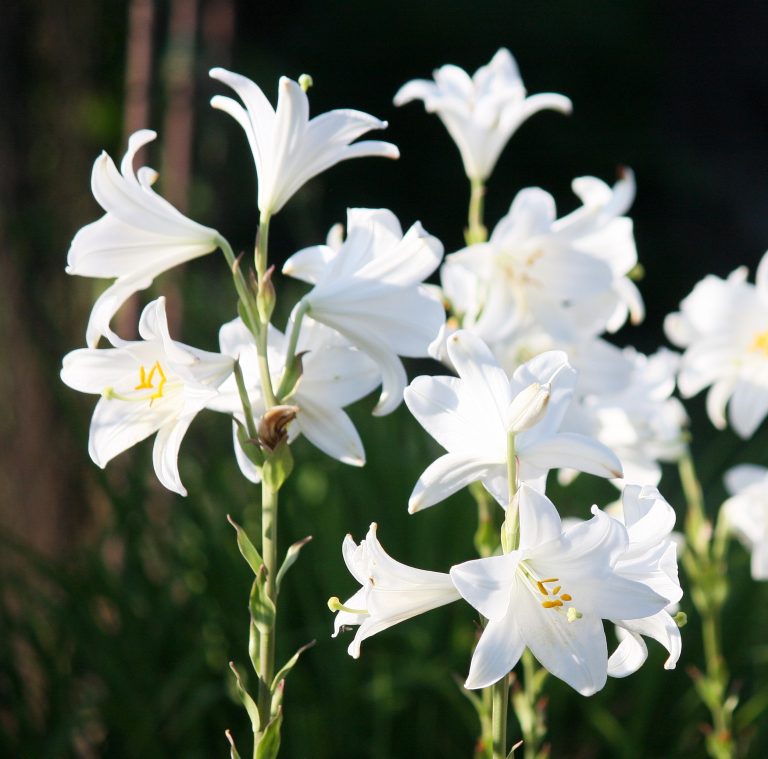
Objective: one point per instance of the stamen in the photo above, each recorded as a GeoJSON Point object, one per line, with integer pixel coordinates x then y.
{"type": "Point", "coordinates": [542, 589]}
{"type": "Point", "coordinates": [566, 596]}
{"type": "Point", "coordinates": [334, 604]}
{"type": "Point", "coordinates": [551, 604]}
{"type": "Point", "coordinates": [556, 590]}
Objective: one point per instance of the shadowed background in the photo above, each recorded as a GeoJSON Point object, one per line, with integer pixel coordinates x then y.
{"type": "Point", "coordinates": [122, 603]}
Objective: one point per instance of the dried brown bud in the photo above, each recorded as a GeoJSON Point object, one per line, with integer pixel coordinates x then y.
{"type": "Point", "coordinates": [272, 426]}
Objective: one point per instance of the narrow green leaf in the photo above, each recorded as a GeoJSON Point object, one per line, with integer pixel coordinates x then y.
{"type": "Point", "coordinates": [290, 557]}
{"type": "Point", "coordinates": [261, 606]}
{"type": "Point", "coordinates": [288, 666]}
{"type": "Point", "coordinates": [278, 466]}
{"type": "Point", "coordinates": [232, 750]}
{"type": "Point", "coordinates": [248, 702]}
{"type": "Point", "coordinates": [269, 744]}
{"type": "Point", "coordinates": [254, 642]}
{"type": "Point", "coordinates": [247, 549]}
{"type": "Point", "coordinates": [517, 745]}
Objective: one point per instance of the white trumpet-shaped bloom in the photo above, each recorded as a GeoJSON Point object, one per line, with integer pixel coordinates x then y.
{"type": "Point", "coordinates": [391, 592]}
{"type": "Point", "coordinates": [551, 595]}
{"type": "Point", "coordinates": [481, 112]}
{"type": "Point", "coordinates": [140, 236]}
{"type": "Point", "coordinates": [288, 147]}
{"type": "Point", "coordinates": [565, 276]}
{"type": "Point", "coordinates": [152, 385]}
{"type": "Point", "coordinates": [334, 375]}
{"type": "Point", "coordinates": [651, 559]}
{"type": "Point", "coordinates": [471, 417]}
{"type": "Point", "coordinates": [723, 327]}
{"type": "Point", "coordinates": [370, 290]}
{"type": "Point", "coordinates": [746, 513]}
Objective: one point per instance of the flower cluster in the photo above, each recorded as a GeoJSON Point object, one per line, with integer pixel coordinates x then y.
{"type": "Point", "coordinates": [367, 305]}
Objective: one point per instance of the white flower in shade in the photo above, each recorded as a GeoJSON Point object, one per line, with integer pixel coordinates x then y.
{"type": "Point", "coordinates": [334, 375]}
{"type": "Point", "coordinates": [637, 418]}
{"type": "Point", "coordinates": [471, 416]}
{"type": "Point", "coordinates": [391, 592]}
{"type": "Point", "coordinates": [651, 559]}
{"type": "Point", "coordinates": [551, 595]}
{"type": "Point", "coordinates": [288, 147]}
{"type": "Point", "coordinates": [565, 276]}
{"type": "Point", "coordinates": [370, 290]}
{"type": "Point", "coordinates": [723, 326]}
{"type": "Point", "coordinates": [483, 111]}
{"type": "Point", "coordinates": [746, 513]}
{"type": "Point", "coordinates": [140, 236]}
{"type": "Point", "coordinates": [147, 386]}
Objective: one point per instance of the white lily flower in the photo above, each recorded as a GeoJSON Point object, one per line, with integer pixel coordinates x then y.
{"type": "Point", "coordinates": [722, 326]}
{"type": "Point", "coordinates": [471, 415]}
{"type": "Point", "coordinates": [288, 147]}
{"type": "Point", "coordinates": [551, 595]}
{"type": "Point", "coordinates": [140, 236]}
{"type": "Point", "coordinates": [147, 386]}
{"type": "Point", "coordinates": [334, 375]}
{"type": "Point", "coordinates": [482, 112]}
{"type": "Point", "coordinates": [638, 418]}
{"type": "Point", "coordinates": [567, 276]}
{"type": "Point", "coordinates": [746, 513]}
{"type": "Point", "coordinates": [391, 592]}
{"type": "Point", "coordinates": [370, 290]}
{"type": "Point", "coordinates": [650, 559]}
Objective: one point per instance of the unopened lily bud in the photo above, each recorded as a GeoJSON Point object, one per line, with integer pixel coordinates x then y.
{"type": "Point", "coordinates": [272, 427]}
{"type": "Point", "coordinates": [528, 407]}
{"type": "Point", "coordinates": [265, 298]}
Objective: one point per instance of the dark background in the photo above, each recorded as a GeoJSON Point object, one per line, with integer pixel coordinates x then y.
{"type": "Point", "coordinates": [121, 603]}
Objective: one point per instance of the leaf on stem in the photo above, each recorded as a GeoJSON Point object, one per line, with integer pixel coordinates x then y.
{"type": "Point", "coordinates": [248, 702]}
{"type": "Point", "coordinates": [290, 558]}
{"type": "Point", "coordinates": [269, 744]}
{"type": "Point", "coordinates": [247, 549]}
{"type": "Point", "coordinates": [232, 750]}
{"type": "Point", "coordinates": [261, 606]}
{"type": "Point", "coordinates": [249, 444]}
{"type": "Point", "coordinates": [279, 462]}
{"type": "Point", "coordinates": [288, 666]}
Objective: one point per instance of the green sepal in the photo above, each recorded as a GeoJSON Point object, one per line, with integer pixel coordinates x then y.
{"type": "Point", "coordinates": [247, 549]}
{"type": "Point", "coordinates": [242, 312]}
{"type": "Point", "coordinates": [291, 375]}
{"type": "Point", "coordinates": [278, 466]}
{"type": "Point", "coordinates": [232, 749]}
{"type": "Point", "coordinates": [251, 447]}
{"type": "Point", "coordinates": [288, 666]}
{"type": "Point", "coordinates": [290, 558]}
{"type": "Point", "coordinates": [247, 700]}
{"type": "Point", "coordinates": [261, 606]}
{"type": "Point", "coordinates": [269, 744]}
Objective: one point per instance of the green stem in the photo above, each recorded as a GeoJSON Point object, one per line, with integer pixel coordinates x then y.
{"type": "Point", "coordinates": [500, 697]}
{"type": "Point", "coordinates": [476, 231]}
{"type": "Point", "coordinates": [250, 423]}
{"type": "Point", "coordinates": [288, 380]}
{"type": "Point", "coordinates": [533, 727]}
{"type": "Point", "coordinates": [262, 246]}
{"type": "Point", "coordinates": [241, 286]}
{"type": "Point", "coordinates": [705, 564]}
{"type": "Point", "coordinates": [267, 636]}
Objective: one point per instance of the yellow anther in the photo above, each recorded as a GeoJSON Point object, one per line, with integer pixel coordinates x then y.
{"type": "Point", "coordinates": [565, 596]}
{"type": "Point", "coordinates": [146, 381]}
{"type": "Point", "coordinates": [551, 579]}
{"type": "Point", "coordinates": [760, 343]}
{"type": "Point", "coordinates": [551, 604]}
{"type": "Point", "coordinates": [556, 590]}
{"type": "Point", "coordinates": [542, 589]}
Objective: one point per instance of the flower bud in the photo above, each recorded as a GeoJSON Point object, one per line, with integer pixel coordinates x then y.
{"type": "Point", "coordinates": [527, 408]}
{"type": "Point", "coordinates": [265, 297]}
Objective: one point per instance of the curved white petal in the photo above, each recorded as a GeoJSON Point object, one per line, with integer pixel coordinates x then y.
{"type": "Point", "coordinates": [486, 584]}
{"type": "Point", "coordinates": [497, 652]}
{"type": "Point", "coordinates": [446, 476]}
{"type": "Point", "coordinates": [165, 454]}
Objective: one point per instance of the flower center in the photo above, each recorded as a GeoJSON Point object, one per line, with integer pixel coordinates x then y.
{"type": "Point", "coordinates": [549, 592]}
{"type": "Point", "coordinates": [153, 381]}
{"type": "Point", "coordinates": [760, 343]}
